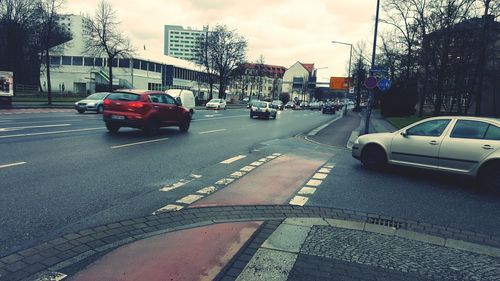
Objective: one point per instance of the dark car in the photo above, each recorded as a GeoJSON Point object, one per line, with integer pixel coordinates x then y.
{"type": "Point", "coordinates": [146, 110]}
{"type": "Point", "coordinates": [277, 104]}
{"type": "Point", "coordinates": [329, 108]}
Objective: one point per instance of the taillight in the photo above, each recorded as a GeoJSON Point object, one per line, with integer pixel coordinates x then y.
{"type": "Point", "coordinates": [137, 104]}
{"type": "Point", "coordinates": [107, 102]}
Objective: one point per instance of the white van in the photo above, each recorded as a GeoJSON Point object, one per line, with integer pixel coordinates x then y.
{"type": "Point", "coordinates": [186, 96]}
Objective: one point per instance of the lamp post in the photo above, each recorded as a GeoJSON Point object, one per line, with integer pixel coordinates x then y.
{"type": "Point", "coordinates": [348, 74]}
{"type": "Point", "coordinates": [372, 94]}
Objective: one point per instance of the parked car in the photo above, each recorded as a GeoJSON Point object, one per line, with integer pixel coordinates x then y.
{"type": "Point", "coordinates": [316, 105]}
{"type": "Point", "coordinates": [328, 108]}
{"type": "Point", "coordinates": [290, 104]}
{"type": "Point", "coordinates": [146, 110]}
{"type": "Point", "coordinates": [277, 104]}
{"type": "Point", "coordinates": [304, 105]}
{"type": "Point", "coordinates": [251, 102]}
{"type": "Point", "coordinates": [186, 98]}
{"type": "Point", "coordinates": [91, 103]}
{"type": "Point", "coordinates": [216, 104]}
{"type": "Point", "coordinates": [461, 145]}
{"type": "Point", "coordinates": [263, 109]}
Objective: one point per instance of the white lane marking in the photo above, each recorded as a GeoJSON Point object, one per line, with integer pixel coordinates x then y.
{"type": "Point", "coordinates": [314, 182]}
{"type": "Point", "coordinates": [319, 176]}
{"type": "Point", "coordinates": [299, 200]}
{"type": "Point", "coordinates": [32, 127]}
{"type": "Point", "coordinates": [262, 160]}
{"type": "Point", "coordinates": [189, 199]}
{"type": "Point", "coordinates": [329, 166]}
{"type": "Point", "coordinates": [52, 276]}
{"type": "Point", "coordinates": [51, 133]}
{"type": "Point", "coordinates": [212, 115]}
{"type": "Point", "coordinates": [178, 184]}
{"type": "Point", "coordinates": [307, 190]}
{"type": "Point", "coordinates": [137, 143]}
{"type": "Point", "coordinates": [256, 163]}
{"type": "Point", "coordinates": [325, 170]}
{"type": "Point", "coordinates": [12, 165]}
{"type": "Point", "coordinates": [212, 131]}
{"type": "Point", "coordinates": [5, 121]}
{"type": "Point", "coordinates": [168, 208]}
{"type": "Point", "coordinates": [195, 176]}
{"type": "Point", "coordinates": [247, 168]}
{"type": "Point", "coordinates": [237, 175]}
{"type": "Point", "coordinates": [276, 154]}
{"type": "Point", "coordinates": [233, 159]}
{"type": "Point", "coordinates": [207, 190]}
{"type": "Point", "coordinates": [271, 157]}
{"type": "Point", "coordinates": [47, 121]}
{"type": "Point", "coordinates": [218, 118]}
{"type": "Point", "coordinates": [224, 181]}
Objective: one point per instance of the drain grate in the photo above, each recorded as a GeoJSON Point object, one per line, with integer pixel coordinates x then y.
{"type": "Point", "coordinates": [386, 222]}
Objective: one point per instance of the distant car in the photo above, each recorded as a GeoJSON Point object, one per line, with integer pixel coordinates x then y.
{"type": "Point", "coordinates": [91, 103]}
{"type": "Point", "coordinates": [290, 104]}
{"type": "Point", "coordinates": [186, 97]}
{"type": "Point", "coordinates": [263, 109]}
{"type": "Point", "coordinates": [316, 105]}
{"type": "Point", "coordinates": [251, 102]}
{"type": "Point", "coordinates": [304, 105]}
{"type": "Point", "coordinates": [216, 104]}
{"type": "Point", "coordinates": [461, 145]}
{"type": "Point", "coordinates": [328, 108]}
{"type": "Point", "coordinates": [146, 110]}
{"type": "Point", "coordinates": [277, 104]}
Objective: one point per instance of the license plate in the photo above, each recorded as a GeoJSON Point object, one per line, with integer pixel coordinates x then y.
{"type": "Point", "coordinates": [117, 117]}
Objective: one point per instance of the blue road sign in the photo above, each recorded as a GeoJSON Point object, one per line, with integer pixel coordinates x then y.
{"type": "Point", "coordinates": [384, 84]}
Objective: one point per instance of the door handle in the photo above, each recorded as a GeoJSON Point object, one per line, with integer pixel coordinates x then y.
{"type": "Point", "coordinates": [433, 143]}
{"type": "Point", "coordinates": [156, 106]}
{"type": "Point", "coordinates": [487, 146]}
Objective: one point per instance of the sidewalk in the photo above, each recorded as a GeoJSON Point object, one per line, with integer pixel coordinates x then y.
{"type": "Point", "coordinates": [378, 124]}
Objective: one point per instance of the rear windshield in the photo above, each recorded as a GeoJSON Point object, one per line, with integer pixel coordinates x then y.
{"type": "Point", "coordinates": [260, 104]}
{"type": "Point", "coordinates": [215, 100]}
{"type": "Point", "coordinates": [277, 102]}
{"type": "Point", "coordinates": [123, 96]}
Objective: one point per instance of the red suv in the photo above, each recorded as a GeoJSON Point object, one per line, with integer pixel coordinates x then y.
{"type": "Point", "coordinates": [147, 110]}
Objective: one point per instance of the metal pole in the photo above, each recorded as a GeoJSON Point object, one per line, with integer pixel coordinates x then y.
{"type": "Point", "coordinates": [348, 80]}
{"type": "Point", "coordinates": [372, 94]}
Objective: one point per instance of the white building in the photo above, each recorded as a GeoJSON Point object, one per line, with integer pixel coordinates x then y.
{"type": "Point", "coordinates": [257, 80]}
{"type": "Point", "coordinates": [299, 81]}
{"type": "Point", "coordinates": [181, 42]}
{"type": "Point", "coordinates": [73, 71]}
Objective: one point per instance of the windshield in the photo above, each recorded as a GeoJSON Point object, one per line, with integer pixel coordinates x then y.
{"type": "Point", "coordinates": [97, 96]}
{"type": "Point", "coordinates": [249, 140]}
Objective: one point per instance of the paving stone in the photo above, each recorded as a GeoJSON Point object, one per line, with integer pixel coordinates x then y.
{"type": "Point", "coordinates": [287, 238]}
{"type": "Point", "coordinates": [267, 265]}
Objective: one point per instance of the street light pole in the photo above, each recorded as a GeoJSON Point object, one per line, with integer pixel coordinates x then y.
{"type": "Point", "coordinates": [349, 74]}
{"type": "Point", "coordinates": [372, 93]}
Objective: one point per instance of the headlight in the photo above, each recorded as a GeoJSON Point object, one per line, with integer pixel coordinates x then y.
{"type": "Point", "coordinates": [356, 141]}
{"type": "Point", "coordinates": [76, 103]}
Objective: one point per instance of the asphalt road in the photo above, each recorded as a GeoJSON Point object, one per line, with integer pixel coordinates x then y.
{"type": "Point", "coordinates": [63, 172]}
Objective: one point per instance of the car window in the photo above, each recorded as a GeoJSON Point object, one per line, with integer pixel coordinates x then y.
{"type": "Point", "coordinates": [493, 133]}
{"type": "Point", "coordinates": [261, 104]}
{"type": "Point", "coordinates": [123, 97]}
{"type": "Point", "coordinates": [432, 128]}
{"type": "Point", "coordinates": [468, 129]}
{"type": "Point", "coordinates": [169, 99]}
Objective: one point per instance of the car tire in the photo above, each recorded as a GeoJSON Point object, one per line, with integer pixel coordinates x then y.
{"type": "Point", "coordinates": [152, 128]}
{"type": "Point", "coordinates": [112, 128]}
{"type": "Point", "coordinates": [81, 111]}
{"type": "Point", "coordinates": [184, 126]}
{"type": "Point", "coordinates": [373, 157]}
{"type": "Point", "coordinates": [99, 109]}
{"type": "Point", "coordinates": [489, 178]}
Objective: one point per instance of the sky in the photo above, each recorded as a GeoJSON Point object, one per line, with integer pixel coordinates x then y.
{"type": "Point", "coordinates": [283, 31]}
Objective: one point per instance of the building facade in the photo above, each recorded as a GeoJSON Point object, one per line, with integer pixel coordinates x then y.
{"type": "Point", "coordinates": [299, 81]}
{"type": "Point", "coordinates": [257, 81]}
{"type": "Point", "coordinates": [74, 71]}
{"type": "Point", "coordinates": [180, 42]}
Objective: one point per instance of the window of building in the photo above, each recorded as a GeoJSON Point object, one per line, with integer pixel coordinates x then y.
{"type": "Point", "coordinates": [88, 61]}
{"type": "Point", "coordinates": [66, 60]}
{"type": "Point", "coordinates": [144, 65]}
{"type": "Point", "coordinates": [55, 60]}
{"type": "Point", "coordinates": [124, 63]}
{"type": "Point", "coordinates": [98, 62]}
{"type": "Point", "coordinates": [158, 68]}
{"type": "Point", "coordinates": [114, 63]}
{"type": "Point", "coordinates": [77, 61]}
{"type": "Point", "coordinates": [137, 64]}
{"type": "Point", "coordinates": [151, 66]}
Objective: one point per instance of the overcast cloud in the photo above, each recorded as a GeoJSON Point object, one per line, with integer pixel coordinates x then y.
{"type": "Point", "coordinates": [284, 31]}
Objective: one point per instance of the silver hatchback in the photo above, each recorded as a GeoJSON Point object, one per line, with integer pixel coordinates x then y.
{"type": "Point", "coordinates": [93, 102]}
{"type": "Point", "coordinates": [461, 145]}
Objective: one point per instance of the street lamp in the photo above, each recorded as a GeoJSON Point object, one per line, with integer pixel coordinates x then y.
{"type": "Point", "coordinates": [349, 73]}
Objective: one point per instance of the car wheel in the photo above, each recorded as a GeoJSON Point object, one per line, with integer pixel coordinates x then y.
{"type": "Point", "coordinates": [81, 111]}
{"type": "Point", "coordinates": [373, 157]}
{"type": "Point", "coordinates": [100, 109]}
{"type": "Point", "coordinates": [489, 178]}
{"type": "Point", "coordinates": [153, 127]}
{"type": "Point", "coordinates": [184, 127]}
{"type": "Point", "coordinates": [112, 128]}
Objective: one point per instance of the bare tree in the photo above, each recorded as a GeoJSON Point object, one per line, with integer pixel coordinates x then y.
{"type": "Point", "coordinates": [105, 38]}
{"type": "Point", "coordinates": [260, 74]}
{"type": "Point", "coordinates": [205, 58]}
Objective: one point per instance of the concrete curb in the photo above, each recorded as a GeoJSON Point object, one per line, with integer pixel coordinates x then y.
{"type": "Point", "coordinates": [71, 248]}
{"type": "Point", "coordinates": [318, 129]}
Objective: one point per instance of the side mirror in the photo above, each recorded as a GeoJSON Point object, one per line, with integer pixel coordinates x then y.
{"type": "Point", "coordinates": [404, 133]}
{"type": "Point", "coordinates": [178, 101]}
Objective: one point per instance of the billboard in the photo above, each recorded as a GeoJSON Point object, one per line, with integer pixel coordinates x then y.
{"type": "Point", "coordinates": [339, 83]}
{"type": "Point", "coordinates": [6, 83]}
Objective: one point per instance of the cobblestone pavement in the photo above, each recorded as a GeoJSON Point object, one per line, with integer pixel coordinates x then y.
{"type": "Point", "coordinates": [355, 252]}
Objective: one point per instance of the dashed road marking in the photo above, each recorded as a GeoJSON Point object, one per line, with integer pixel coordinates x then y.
{"type": "Point", "coordinates": [32, 127]}
{"type": "Point", "coordinates": [52, 276]}
{"type": "Point", "coordinates": [256, 163]}
{"type": "Point", "coordinates": [12, 165]}
{"type": "Point", "coordinates": [224, 181]}
{"type": "Point", "coordinates": [314, 182]}
{"type": "Point", "coordinates": [271, 157]}
{"type": "Point", "coordinates": [195, 176]}
{"type": "Point", "coordinates": [325, 170]}
{"type": "Point", "coordinates": [329, 166]}
{"type": "Point", "coordinates": [276, 154]}
{"type": "Point", "coordinates": [168, 208]}
{"type": "Point", "coordinates": [237, 175]}
{"type": "Point", "coordinates": [233, 159]}
{"type": "Point", "coordinates": [178, 184]}
{"type": "Point", "coordinates": [189, 199]}
{"type": "Point", "coordinates": [299, 200]}
{"type": "Point", "coordinates": [207, 190]}
{"type": "Point", "coordinates": [247, 168]}
{"type": "Point", "coordinates": [307, 191]}
{"type": "Point", "coordinates": [137, 143]}
{"type": "Point", "coordinates": [51, 133]}
{"type": "Point", "coordinates": [212, 131]}
{"type": "Point", "coordinates": [319, 176]}
{"type": "Point", "coordinates": [262, 159]}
